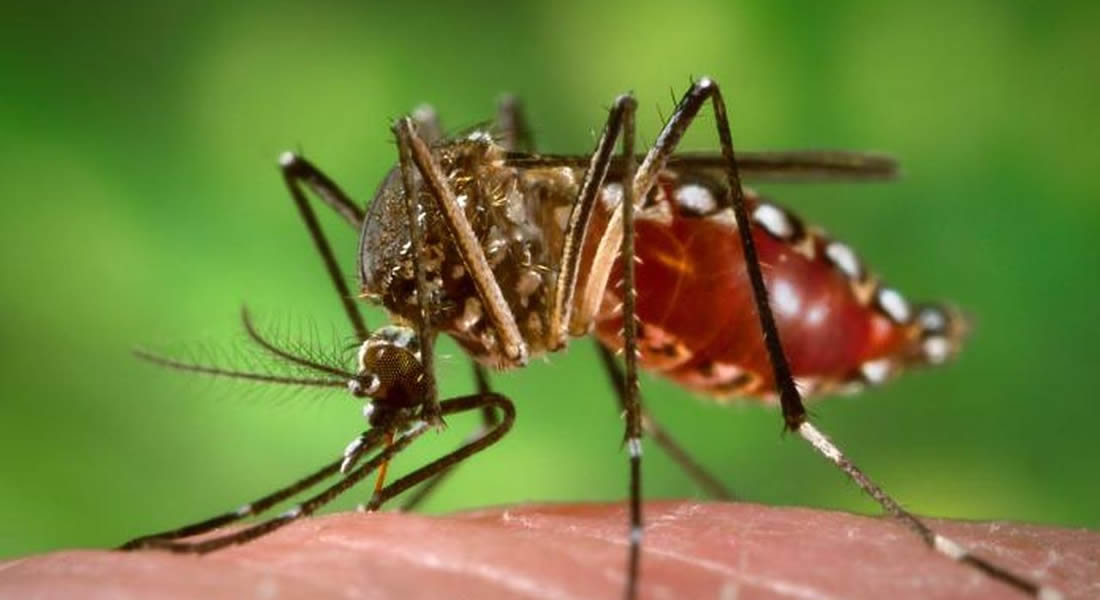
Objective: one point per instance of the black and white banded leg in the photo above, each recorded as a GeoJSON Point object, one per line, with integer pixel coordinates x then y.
{"type": "Point", "coordinates": [346, 464]}
{"type": "Point", "coordinates": [619, 125]}
{"type": "Point", "coordinates": [633, 433]}
{"type": "Point", "coordinates": [794, 413]}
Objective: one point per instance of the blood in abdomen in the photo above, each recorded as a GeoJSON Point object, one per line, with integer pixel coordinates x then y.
{"type": "Point", "coordinates": [698, 324]}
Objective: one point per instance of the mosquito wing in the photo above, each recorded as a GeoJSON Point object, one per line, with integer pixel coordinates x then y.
{"type": "Point", "coordinates": [794, 165]}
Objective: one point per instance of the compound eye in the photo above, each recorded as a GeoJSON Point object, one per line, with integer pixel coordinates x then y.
{"type": "Point", "coordinates": [364, 385]}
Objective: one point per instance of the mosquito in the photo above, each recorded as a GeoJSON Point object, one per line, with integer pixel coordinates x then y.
{"type": "Point", "coordinates": [513, 253]}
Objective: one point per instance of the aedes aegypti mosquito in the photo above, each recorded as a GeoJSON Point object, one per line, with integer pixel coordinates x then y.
{"type": "Point", "coordinates": [512, 253]}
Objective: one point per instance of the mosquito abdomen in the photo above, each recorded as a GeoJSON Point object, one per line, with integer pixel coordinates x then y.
{"type": "Point", "coordinates": [841, 327]}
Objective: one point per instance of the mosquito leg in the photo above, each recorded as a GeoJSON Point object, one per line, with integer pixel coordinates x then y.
{"type": "Point", "coordinates": [489, 420]}
{"type": "Point", "coordinates": [297, 171]}
{"type": "Point", "coordinates": [297, 512]}
{"type": "Point", "coordinates": [252, 508]}
{"type": "Point", "coordinates": [705, 480]}
{"type": "Point", "coordinates": [412, 216]}
{"type": "Point", "coordinates": [511, 124]}
{"type": "Point", "coordinates": [633, 433]}
{"type": "Point", "coordinates": [370, 440]}
{"type": "Point", "coordinates": [620, 121]}
{"type": "Point", "coordinates": [794, 413]}
{"type": "Point", "coordinates": [414, 151]}
{"type": "Point", "coordinates": [940, 543]}
{"type": "Point", "coordinates": [561, 310]}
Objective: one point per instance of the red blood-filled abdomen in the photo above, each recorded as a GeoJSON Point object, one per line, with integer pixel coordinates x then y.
{"type": "Point", "coordinates": [698, 324]}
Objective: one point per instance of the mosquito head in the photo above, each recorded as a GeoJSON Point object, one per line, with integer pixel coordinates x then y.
{"type": "Point", "coordinates": [390, 373]}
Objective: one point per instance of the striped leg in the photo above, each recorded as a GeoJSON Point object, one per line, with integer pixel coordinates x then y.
{"type": "Point", "coordinates": [620, 122]}
{"type": "Point", "coordinates": [370, 440]}
{"type": "Point", "coordinates": [794, 412]}
{"type": "Point", "coordinates": [168, 540]}
{"type": "Point", "coordinates": [626, 106]}
{"type": "Point", "coordinates": [939, 543]}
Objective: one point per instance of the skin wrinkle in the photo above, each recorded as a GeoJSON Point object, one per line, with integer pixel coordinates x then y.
{"type": "Point", "coordinates": [744, 533]}
{"type": "Point", "coordinates": [782, 587]}
{"type": "Point", "coordinates": [324, 588]}
{"type": "Point", "coordinates": [497, 576]}
{"type": "Point", "coordinates": [792, 590]}
{"type": "Point", "coordinates": [534, 588]}
{"type": "Point", "coordinates": [677, 514]}
{"type": "Point", "coordinates": [787, 589]}
{"type": "Point", "coordinates": [997, 551]}
{"type": "Point", "coordinates": [557, 533]}
{"type": "Point", "coordinates": [9, 564]}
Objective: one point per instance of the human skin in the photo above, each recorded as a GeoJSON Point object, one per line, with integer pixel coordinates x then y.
{"type": "Point", "coordinates": [692, 550]}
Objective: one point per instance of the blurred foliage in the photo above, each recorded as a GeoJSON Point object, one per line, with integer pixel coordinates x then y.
{"type": "Point", "coordinates": [142, 206]}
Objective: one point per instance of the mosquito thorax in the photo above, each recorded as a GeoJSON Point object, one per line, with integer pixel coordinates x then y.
{"type": "Point", "coordinates": [390, 373]}
{"type": "Point", "coordinates": [517, 214]}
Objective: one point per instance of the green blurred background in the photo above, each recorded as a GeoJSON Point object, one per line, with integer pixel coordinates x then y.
{"type": "Point", "coordinates": [142, 205]}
